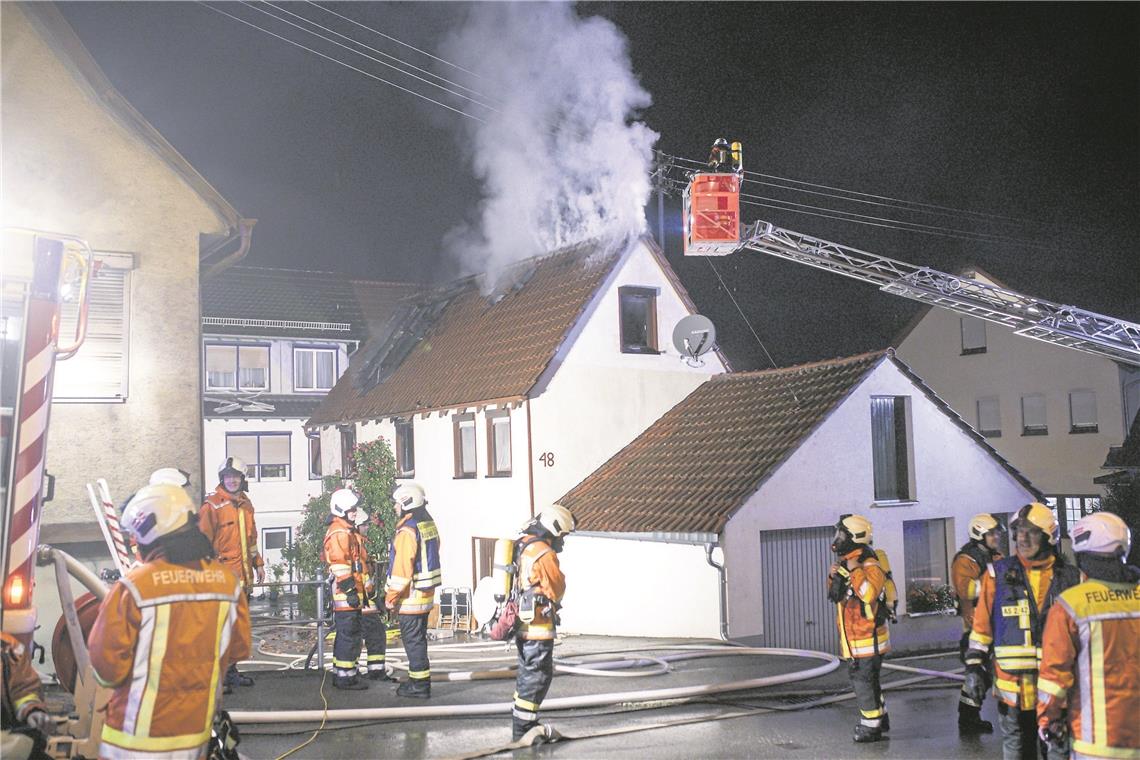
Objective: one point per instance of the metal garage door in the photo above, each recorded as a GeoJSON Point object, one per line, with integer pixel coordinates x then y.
{"type": "Point", "coordinates": [793, 573]}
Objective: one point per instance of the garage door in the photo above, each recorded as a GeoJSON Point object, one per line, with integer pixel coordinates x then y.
{"type": "Point", "coordinates": [793, 572]}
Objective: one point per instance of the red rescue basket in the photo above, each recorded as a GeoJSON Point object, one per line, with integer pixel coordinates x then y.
{"type": "Point", "coordinates": [712, 204]}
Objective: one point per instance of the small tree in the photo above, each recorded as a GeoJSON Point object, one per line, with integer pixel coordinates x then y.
{"type": "Point", "coordinates": [375, 479]}
{"type": "Point", "coordinates": [1123, 498]}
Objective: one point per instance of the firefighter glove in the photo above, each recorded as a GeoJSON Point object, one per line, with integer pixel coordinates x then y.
{"type": "Point", "coordinates": [41, 721]}
{"type": "Point", "coordinates": [1056, 735]}
{"type": "Point", "coordinates": [974, 687]}
{"type": "Point", "coordinates": [837, 585]}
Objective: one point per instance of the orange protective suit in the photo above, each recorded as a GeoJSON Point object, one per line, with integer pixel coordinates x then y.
{"type": "Point", "coordinates": [539, 570]}
{"type": "Point", "coordinates": [227, 520]}
{"type": "Point", "coordinates": [20, 684]}
{"type": "Point", "coordinates": [966, 577]}
{"type": "Point", "coordinates": [859, 637]}
{"type": "Point", "coordinates": [347, 557]}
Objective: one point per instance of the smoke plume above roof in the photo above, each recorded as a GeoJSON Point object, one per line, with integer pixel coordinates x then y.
{"type": "Point", "coordinates": [561, 157]}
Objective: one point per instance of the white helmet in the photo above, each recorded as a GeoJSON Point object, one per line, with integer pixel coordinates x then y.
{"type": "Point", "coordinates": [343, 501]}
{"type": "Point", "coordinates": [157, 510]}
{"type": "Point", "coordinates": [557, 520]}
{"type": "Point", "coordinates": [232, 464]}
{"type": "Point", "coordinates": [171, 476]}
{"type": "Point", "coordinates": [983, 523]}
{"type": "Point", "coordinates": [409, 496]}
{"type": "Point", "coordinates": [1101, 533]}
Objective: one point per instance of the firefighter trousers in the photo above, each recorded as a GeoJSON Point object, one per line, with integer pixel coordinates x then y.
{"type": "Point", "coordinates": [1019, 734]}
{"type": "Point", "coordinates": [864, 673]}
{"type": "Point", "coordinates": [353, 628]}
{"type": "Point", "coordinates": [536, 671]}
{"type": "Point", "coordinates": [413, 633]}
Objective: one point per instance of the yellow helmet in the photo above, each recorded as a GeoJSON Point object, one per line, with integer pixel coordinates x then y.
{"type": "Point", "coordinates": [851, 530]}
{"type": "Point", "coordinates": [1041, 517]}
{"type": "Point", "coordinates": [983, 523]}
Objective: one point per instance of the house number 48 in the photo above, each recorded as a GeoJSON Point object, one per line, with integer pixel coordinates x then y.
{"type": "Point", "coordinates": [547, 458]}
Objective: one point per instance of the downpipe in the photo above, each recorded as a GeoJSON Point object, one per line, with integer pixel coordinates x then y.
{"type": "Point", "coordinates": [723, 591]}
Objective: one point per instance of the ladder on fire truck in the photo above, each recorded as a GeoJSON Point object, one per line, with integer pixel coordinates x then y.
{"type": "Point", "coordinates": [712, 227]}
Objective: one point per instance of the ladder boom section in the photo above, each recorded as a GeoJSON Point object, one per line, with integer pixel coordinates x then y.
{"type": "Point", "coordinates": [1036, 318]}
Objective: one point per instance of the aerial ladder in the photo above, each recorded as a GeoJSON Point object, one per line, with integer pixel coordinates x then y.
{"type": "Point", "coordinates": [713, 227]}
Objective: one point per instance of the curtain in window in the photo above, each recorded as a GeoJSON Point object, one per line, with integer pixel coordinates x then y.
{"type": "Point", "coordinates": [245, 448]}
{"type": "Point", "coordinates": [253, 363]}
{"type": "Point", "coordinates": [314, 457]}
{"type": "Point", "coordinates": [274, 456]}
{"type": "Point", "coordinates": [924, 552]}
{"type": "Point", "coordinates": [883, 447]}
{"type": "Point", "coordinates": [502, 429]}
{"type": "Point", "coordinates": [221, 366]}
{"type": "Point", "coordinates": [326, 363]}
{"type": "Point", "coordinates": [467, 445]}
{"type": "Point", "coordinates": [303, 370]}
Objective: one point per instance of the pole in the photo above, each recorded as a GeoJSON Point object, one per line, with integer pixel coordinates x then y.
{"type": "Point", "coordinates": [660, 205]}
{"type": "Point", "coordinates": [320, 626]}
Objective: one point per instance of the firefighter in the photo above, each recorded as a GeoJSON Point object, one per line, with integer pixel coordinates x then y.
{"type": "Point", "coordinates": [541, 586]}
{"type": "Point", "coordinates": [1016, 595]}
{"type": "Point", "coordinates": [1089, 685]}
{"type": "Point", "coordinates": [856, 583]}
{"type": "Point", "coordinates": [165, 632]}
{"type": "Point", "coordinates": [227, 521]}
{"type": "Point", "coordinates": [413, 576]}
{"type": "Point", "coordinates": [26, 723]}
{"type": "Point", "coordinates": [970, 564]}
{"type": "Point", "coordinates": [356, 613]}
{"type": "Point", "coordinates": [720, 157]}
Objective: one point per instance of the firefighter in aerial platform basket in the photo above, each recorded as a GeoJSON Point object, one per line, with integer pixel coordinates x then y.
{"type": "Point", "coordinates": [26, 723]}
{"type": "Point", "coordinates": [356, 611]}
{"type": "Point", "coordinates": [966, 571]}
{"type": "Point", "coordinates": [1088, 689]}
{"type": "Point", "coordinates": [1016, 596]}
{"type": "Point", "coordinates": [413, 576]}
{"type": "Point", "coordinates": [725, 158]}
{"type": "Point", "coordinates": [226, 518]}
{"type": "Point", "coordinates": [860, 585]}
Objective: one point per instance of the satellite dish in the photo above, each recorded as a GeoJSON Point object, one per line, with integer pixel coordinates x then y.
{"type": "Point", "coordinates": [483, 604]}
{"type": "Point", "coordinates": [694, 335]}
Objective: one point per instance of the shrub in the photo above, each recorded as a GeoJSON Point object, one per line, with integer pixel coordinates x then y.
{"type": "Point", "coordinates": [927, 597]}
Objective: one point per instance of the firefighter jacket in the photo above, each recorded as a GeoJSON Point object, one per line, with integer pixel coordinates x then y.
{"type": "Point", "coordinates": [1010, 614]}
{"type": "Point", "coordinates": [966, 573]}
{"type": "Point", "coordinates": [165, 635]}
{"type": "Point", "coordinates": [861, 614]}
{"type": "Point", "coordinates": [540, 575]}
{"type": "Point", "coordinates": [414, 569]}
{"type": "Point", "coordinates": [347, 557]}
{"type": "Point", "coordinates": [20, 684]}
{"type": "Point", "coordinates": [227, 520]}
{"type": "Point", "coordinates": [1090, 666]}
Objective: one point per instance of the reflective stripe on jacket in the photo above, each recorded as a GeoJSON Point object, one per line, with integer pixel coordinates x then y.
{"type": "Point", "coordinates": [414, 569]}
{"type": "Point", "coordinates": [227, 520]}
{"type": "Point", "coordinates": [855, 616]}
{"type": "Point", "coordinates": [966, 571]}
{"type": "Point", "coordinates": [20, 684]}
{"type": "Point", "coordinates": [164, 637]}
{"type": "Point", "coordinates": [538, 564]}
{"type": "Point", "coordinates": [347, 557]}
{"type": "Point", "coordinates": [1091, 666]}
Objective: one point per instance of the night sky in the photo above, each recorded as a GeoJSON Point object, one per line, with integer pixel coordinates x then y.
{"type": "Point", "coordinates": [1022, 111]}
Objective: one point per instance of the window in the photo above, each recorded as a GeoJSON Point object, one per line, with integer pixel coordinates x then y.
{"type": "Point", "coordinates": [638, 307]}
{"type": "Point", "coordinates": [1033, 415]}
{"type": "Point", "coordinates": [973, 336]}
{"type": "Point", "coordinates": [347, 456]}
{"type": "Point", "coordinates": [405, 449]}
{"type": "Point", "coordinates": [1069, 509]}
{"type": "Point", "coordinates": [1003, 537]}
{"type": "Point", "coordinates": [927, 569]}
{"type": "Point", "coordinates": [98, 371]}
{"type": "Point", "coordinates": [499, 443]}
{"type": "Point", "coordinates": [275, 538]}
{"type": "Point", "coordinates": [989, 417]}
{"type": "Point", "coordinates": [266, 455]}
{"type": "Point", "coordinates": [1082, 412]}
{"type": "Point", "coordinates": [233, 367]}
{"type": "Point", "coordinates": [464, 441]}
{"type": "Point", "coordinates": [890, 448]}
{"type": "Point", "coordinates": [314, 369]}
{"type": "Point", "coordinates": [483, 558]}
{"type": "Point", "coordinates": [315, 467]}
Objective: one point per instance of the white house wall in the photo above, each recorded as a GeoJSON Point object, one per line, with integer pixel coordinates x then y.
{"type": "Point", "coordinates": [832, 474]}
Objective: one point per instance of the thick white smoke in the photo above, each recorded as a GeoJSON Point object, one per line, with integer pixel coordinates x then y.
{"type": "Point", "coordinates": [561, 157]}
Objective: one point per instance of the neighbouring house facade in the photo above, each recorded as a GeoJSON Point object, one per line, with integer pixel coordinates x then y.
{"type": "Point", "coordinates": [79, 160]}
{"type": "Point", "coordinates": [723, 511]}
{"type": "Point", "coordinates": [498, 400]}
{"type": "Point", "coordinates": [274, 343]}
{"type": "Point", "coordinates": [1053, 412]}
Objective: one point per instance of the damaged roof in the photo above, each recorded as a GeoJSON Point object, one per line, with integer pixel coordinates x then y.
{"type": "Point", "coordinates": [459, 345]}
{"type": "Point", "coordinates": [694, 467]}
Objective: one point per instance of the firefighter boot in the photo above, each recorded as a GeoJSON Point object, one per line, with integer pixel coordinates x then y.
{"type": "Point", "coordinates": [864, 734]}
{"type": "Point", "coordinates": [350, 682]}
{"type": "Point", "coordinates": [416, 688]}
{"type": "Point", "coordinates": [970, 721]}
{"type": "Point", "coordinates": [379, 674]}
{"type": "Point", "coordinates": [885, 723]}
{"type": "Point", "coordinates": [234, 678]}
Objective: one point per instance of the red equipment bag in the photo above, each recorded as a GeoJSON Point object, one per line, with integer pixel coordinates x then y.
{"type": "Point", "coordinates": [504, 625]}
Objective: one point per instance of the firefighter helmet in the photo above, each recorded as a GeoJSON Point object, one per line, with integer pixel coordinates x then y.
{"type": "Point", "coordinates": [1101, 533]}
{"type": "Point", "coordinates": [409, 496]}
{"type": "Point", "coordinates": [857, 527]}
{"type": "Point", "coordinates": [170, 476]}
{"type": "Point", "coordinates": [983, 523]}
{"type": "Point", "coordinates": [232, 464]}
{"type": "Point", "coordinates": [157, 510]}
{"type": "Point", "coordinates": [557, 520]}
{"type": "Point", "coordinates": [343, 501]}
{"type": "Point", "coordinates": [1039, 516]}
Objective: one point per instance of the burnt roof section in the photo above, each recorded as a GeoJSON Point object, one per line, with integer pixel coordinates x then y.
{"type": "Point", "coordinates": [694, 467]}
{"type": "Point", "coordinates": [1126, 456]}
{"type": "Point", "coordinates": [335, 306]}
{"type": "Point", "coordinates": [457, 345]}
{"type": "Point", "coordinates": [259, 407]}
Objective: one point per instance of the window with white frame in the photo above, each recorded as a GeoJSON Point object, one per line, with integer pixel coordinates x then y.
{"type": "Point", "coordinates": [890, 448]}
{"type": "Point", "coordinates": [1033, 419]}
{"type": "Point", "coordinates": [1082, 412]}
{"type": "Point", "coordinates": [314, 368]}
{"type": "Point", "coordinates": [1069, 509]}
{"type": "Point", "coordinates": [233, 367]}
{"type": "Point", "coordinates": [463, 439]}
{"type": "Point", "coordinates": [266, 455]}
{"type": "Point", "coordinates": [973, 336]}
{"type": "Point", "coordinates": [275, 538]}
{"type": "Point", "coordinates": [499, 443]}
{"type": "Point", "coordinates": [927, 565]}
{"type": "Point", "coordinates": [98, 372]}
{"type": "Point", "coordinates": [405, 448]}
{"type": "Point", "coordinates": [989, 417]}
{"type": "Point", "coordinates": [315, 467]}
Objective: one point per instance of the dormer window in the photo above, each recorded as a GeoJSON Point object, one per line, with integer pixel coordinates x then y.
{"type": "Point", "coordinates": [638, 319]}
{"type": "Point", "coordinates": [237, 367]}
{"type": "Point", "coordinates": [314, 369]}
